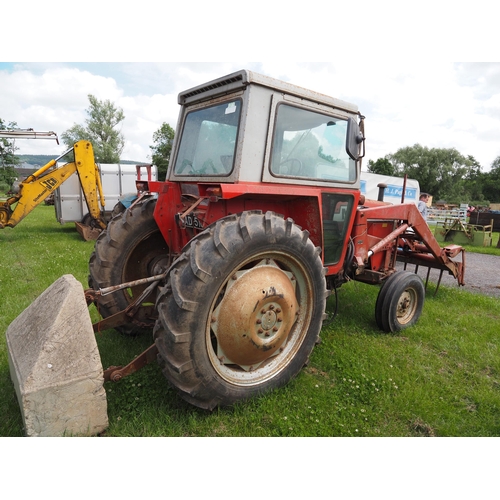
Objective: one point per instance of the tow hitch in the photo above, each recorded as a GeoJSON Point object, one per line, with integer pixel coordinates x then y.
{"type": "Point", "coordinates": [116, 373]}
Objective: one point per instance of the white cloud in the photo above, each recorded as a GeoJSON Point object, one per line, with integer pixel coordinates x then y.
{"type": "Point", "coordinates": [436, 104]}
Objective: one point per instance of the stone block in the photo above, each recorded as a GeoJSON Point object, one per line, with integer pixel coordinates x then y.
{"type": "Point", "coordinates": [55, 364]}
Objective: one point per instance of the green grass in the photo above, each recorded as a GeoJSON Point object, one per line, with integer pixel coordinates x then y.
{"type": "Point", "coordinates": [439, 378]}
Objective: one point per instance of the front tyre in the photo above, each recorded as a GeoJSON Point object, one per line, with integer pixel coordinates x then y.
{"type": "Point", "coordinates": [400, 302]}
{"type": "Point", "coordinates": [242, 309]}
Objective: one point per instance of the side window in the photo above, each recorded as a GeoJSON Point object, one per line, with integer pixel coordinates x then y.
{"type": "Point", "coordinates": [208, 141]}
{"type": "Point", "coordinates": [337, 210]}
{"type": "Point", "coordinates": [310, 145]}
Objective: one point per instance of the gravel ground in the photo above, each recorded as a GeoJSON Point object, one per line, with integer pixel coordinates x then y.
{"type": "Point", "coordinates": [482, 274]}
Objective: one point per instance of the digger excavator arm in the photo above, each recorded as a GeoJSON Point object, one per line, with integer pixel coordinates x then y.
{"type": "Point", "coordinates": [35, 188]}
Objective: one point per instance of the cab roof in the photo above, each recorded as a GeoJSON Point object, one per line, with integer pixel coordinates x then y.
{"type": "Point", "coordinates": [242, 78]}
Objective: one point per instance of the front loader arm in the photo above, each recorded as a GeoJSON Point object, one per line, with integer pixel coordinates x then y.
{"type": "Point", "coordinates": [35, 188]}
{"type": "Point", "coordinates": [407, 238]}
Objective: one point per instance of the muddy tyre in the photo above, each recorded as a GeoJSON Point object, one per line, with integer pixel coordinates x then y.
{"type": "Point", "coordinates": [242, 309]}
{"type": "Point", "coordinates": [118, 209]}
{"type": "Point", "coordinates": [131, 248]}
{"type": "Point", "coordinates": [400, 301]}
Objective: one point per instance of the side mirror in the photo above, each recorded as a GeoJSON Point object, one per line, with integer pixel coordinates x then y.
{"type": "Point", "coordinates": [354, 139]}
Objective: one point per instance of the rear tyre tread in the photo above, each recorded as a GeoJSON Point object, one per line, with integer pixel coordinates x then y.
{"type": "Point", "coordinates": [185, 303]}
{"type": "Point", "coordinates": [108, 263]}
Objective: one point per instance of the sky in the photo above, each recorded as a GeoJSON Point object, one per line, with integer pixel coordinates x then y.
{"type": "Point", "coordinates": [437, 104]}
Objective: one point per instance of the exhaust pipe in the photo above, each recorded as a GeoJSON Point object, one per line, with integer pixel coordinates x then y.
{"type": "Point", "coordinates": [381, 189]}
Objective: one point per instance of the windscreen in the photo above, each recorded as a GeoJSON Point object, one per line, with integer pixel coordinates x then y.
{"type": "Point", "coordinates": [208, 141]}
{"type": "Point", "coordinates": [311, 145]}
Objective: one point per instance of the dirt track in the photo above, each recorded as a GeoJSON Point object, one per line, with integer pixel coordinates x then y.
{"type": "Point", "coordinates": [482, 274]}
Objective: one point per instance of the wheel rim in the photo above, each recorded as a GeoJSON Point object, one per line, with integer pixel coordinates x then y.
{"type": "Point", "coordinates": [148, 258]}
{"type": "Point", "coordinates": [407, 306]}
{"type": "Point", "coordinates": [259, 319]}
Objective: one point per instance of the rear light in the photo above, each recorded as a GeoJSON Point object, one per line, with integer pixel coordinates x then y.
{"type": "Point", "coordinates": [214, 193]}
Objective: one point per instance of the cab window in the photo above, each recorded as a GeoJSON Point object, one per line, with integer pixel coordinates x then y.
{"type": "Point", "coordinates": [208, 141]}
{"type": "Point", "coordinates": [311, 145]}
{"type": "Point", "coordinates": [337, 209]}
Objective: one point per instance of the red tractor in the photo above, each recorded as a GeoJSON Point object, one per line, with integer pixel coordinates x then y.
{"type": "Point", "coordinates": [230, 261]}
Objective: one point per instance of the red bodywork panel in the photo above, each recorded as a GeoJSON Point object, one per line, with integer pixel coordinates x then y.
{"type": "Point", "coordinates": [183, 210]}
{"type": "Point", "coordinates": [381, 233]}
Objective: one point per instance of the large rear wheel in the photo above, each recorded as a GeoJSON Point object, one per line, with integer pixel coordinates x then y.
{"type": "Point", "coordinates": [242, 309]}
{"type": "Point", "coordinates": [132, 247]}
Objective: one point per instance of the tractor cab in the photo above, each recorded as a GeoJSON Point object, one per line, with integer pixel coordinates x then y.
{"type": "Point", "coordinates": [249, 128]}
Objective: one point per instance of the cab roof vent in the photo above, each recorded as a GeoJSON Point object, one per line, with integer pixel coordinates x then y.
{"type": "Point", "coordinates": [215, 87]}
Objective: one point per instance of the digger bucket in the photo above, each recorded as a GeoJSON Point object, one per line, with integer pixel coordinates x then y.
{"type": "Point", "coordinates": [88, 233]}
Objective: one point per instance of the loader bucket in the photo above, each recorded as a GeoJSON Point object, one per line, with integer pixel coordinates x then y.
{"type": "Point", "coordinates": [55, 365]}
{"type": "Point", "coordinates": [88, 233]}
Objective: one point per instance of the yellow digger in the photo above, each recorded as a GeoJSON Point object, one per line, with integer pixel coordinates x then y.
{"type": "Point", "coordinates": [36, 187]}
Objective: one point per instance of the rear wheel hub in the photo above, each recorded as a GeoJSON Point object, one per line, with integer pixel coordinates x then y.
{"type": "Point", "coordinates": [255, 316]}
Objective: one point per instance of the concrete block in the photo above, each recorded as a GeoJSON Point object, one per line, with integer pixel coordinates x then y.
{"type": "Point", "coordinates": [55, 364]}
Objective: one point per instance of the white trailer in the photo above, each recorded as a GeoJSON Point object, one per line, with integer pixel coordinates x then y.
{"type": "Point", "coordinates": [394, 190]}
{"type": "Point", "coordinates": [118, 181]}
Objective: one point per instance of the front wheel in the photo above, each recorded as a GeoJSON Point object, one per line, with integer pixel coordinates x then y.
{"type": "Point", "coordinates": [242, 309]}
{"type": "Point", "coordinates": [400, 301]}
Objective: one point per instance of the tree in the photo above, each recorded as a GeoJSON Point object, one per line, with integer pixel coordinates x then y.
{"type": "Point", "coordinates": [491, 182]}
{"type": "Point", "coordinates": [100, 130]}
{"type": "Point", "coordinates": [163, 139]}
{"type": "Point", "coordinates": [8, 158]}
{"type": "Point", "coordinates": [382, 167]}
{"type": "Point", "coordinates": [441, 172]}
{"type": "Point", "coordinates": [473, 183]}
